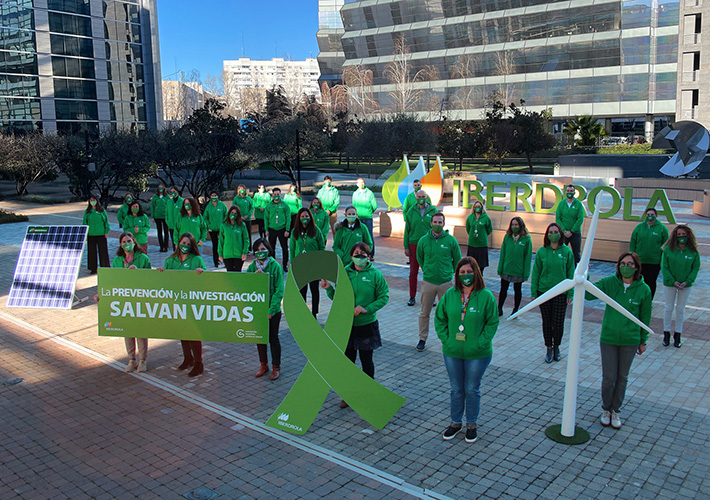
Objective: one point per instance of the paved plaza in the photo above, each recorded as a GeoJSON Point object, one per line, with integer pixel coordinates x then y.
{"type": "Point", "coordinates": [78, 427]}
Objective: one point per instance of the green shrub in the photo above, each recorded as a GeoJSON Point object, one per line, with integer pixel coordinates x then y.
{"type": "Point", "coordinates": [10, 217]}
{"type": "Point", "coordinates": [631, 149]}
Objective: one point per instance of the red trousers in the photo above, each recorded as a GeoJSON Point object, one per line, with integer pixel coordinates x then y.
{"type": "Point", "coordinates": [413, 270]}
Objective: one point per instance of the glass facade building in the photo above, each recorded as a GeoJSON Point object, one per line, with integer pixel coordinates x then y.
{"type": "Point", "coordinates": [608, 58]}
{"type": "Point", "coordinates": [76, 66]}
{"type": "Point", "coordinates": [330, 31]}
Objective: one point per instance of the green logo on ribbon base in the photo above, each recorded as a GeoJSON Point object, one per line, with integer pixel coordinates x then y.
{"type": "Point", "coordinates": [327, 366]}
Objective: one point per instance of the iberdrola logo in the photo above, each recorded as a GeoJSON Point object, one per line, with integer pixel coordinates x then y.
{"type": "Point", "coordinates": [399, 185]}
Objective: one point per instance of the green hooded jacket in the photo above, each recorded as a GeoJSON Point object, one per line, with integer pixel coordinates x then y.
{"type": "Point", "coordinates": [276, 283]}
{"type": "Point", "coordinates": [233, 240]}
{"type": "Point", "coordinates": [551, 267]}
{"type": "Point", "coordinates": [371, 292]}
{"type": "Point", "coordinates": [364, 202]}
{"type": "Point", "coordinates": [277, 216]}
{"type": "Point", "coordinates": [478, 230]}
{"type": "Point", "coordinates": [647, 242]}
{"type": "Point", "coordinates": [173, 211]}
{"type": "Point", "coordinates": [97, 222]}
{"type": "Point", "coordinates": [304, 243]}
{"type": "Point", "coordinates": [515, 256]}
{"type": "Point", "coordinates": [123, 210]}
{"type": "Point", "coordinates": [191, 263]}
{"type": "Point", "coordinates": [293, 201]}
{"type": "Point", "coordinates": [261, 201]}
{"type": "Point", "coordinates": [142, 222]}
{"type": "Point", "coordinates": [190, 224]}
{"type": "Point", "coordinates": [679, 265]}
{"type": "Point", "coordinates": [322, 220]}
{"type": "Point", "coordinates": [345, 238]}
{"type": "Point", "coordinates": [480, 324]}
{"type": "Point", "coordinates": [159, 206]}
{"type": "Point", "coordinates": [438, 257]}
{"type": "Point", "coordinates": [416, 225]}
{"type": "Point", "coordinates": [570, 218]}
{"type": "Point", "coordinates": [245, 206]}
{"type": "Point", "coordinates": [215, 215]}
{"type": "Point", "coordinates": [140, 260]}
{"type": "Point", "coordinates": [330, 197]}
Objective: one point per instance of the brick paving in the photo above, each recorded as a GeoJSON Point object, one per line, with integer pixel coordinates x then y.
{"type": "Point", "coordinates": [662, 451]}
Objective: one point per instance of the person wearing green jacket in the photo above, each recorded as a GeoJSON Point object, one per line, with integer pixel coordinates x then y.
{"type": "Point", "coordinates": [130, 256]}
{"type": "Point", "coordinates": [478, 228]}
{"type": "Point", "coordinates": [466, 322]}
{"type": "Point", "coordinates": [261, 200]}
{"type": "Point", "coordinates": [233, 242]}
{"type": "Point", "coordinates": [95, 217]}
{"type": "Point", "coordinates": [417, 222]}
{"type": "Point", "coordinates": [371, 294]}
{"type": "Point", "coordinates": [621, 339]}
{"type": "Point", "coordinates": [293, 201]}
{"type": "Point", "coordinates": [277, 220]}
{"type": "Point", "coordinates": [190, 221]}
{"type": "Point", "coordinates": [349, 232]}
{"type": "Point", "coordinates": [411, 198]}
{"type": "Point", "coordinates": [138, 224]}
{"type": "Point", "coordinates": [514, 262]}
{"type": "Point", "coordinates": [159, 213]}
{"type": "Point", "coordinates": [330, 197]}
{"type": "Point", "coordinates": [265, 262]}
{"type": "Point", "coordinates": [321, 218]}
{"type": "Point", "coordinates": [438, 253]}
{"type": "Point", "coordinates": [680, 264]}
{"type": "Point", "coordinates": [554, 263]}
{"type": "Point", "coordinates": [570, 217]}
{"type": "Point", "coordinates": [365, 204]}
{"type": "Point", "coordinates": [175, 204]}
{"type": "Point", "coordinates": [124, 208]}
{"type": "Point", "coordinates": [186, 257]}
{"type": "Point", "coordinates": [246, 209]}
{"type": "Point", "coordinates": [215, 215]}
{"type": "Point", "coordinates": [647, 241]}
{"type": "Point", "coordinates": [306, 237]}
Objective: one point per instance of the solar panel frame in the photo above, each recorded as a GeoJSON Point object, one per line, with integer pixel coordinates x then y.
{"type": "Point", "coordinates": [47, 267]}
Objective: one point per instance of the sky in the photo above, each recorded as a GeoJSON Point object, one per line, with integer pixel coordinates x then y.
{"type": "Point", "coordinates": [200, 34]}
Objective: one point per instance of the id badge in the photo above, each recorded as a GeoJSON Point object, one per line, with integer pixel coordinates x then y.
{"type": "Point", "coordinates": [461, 335]}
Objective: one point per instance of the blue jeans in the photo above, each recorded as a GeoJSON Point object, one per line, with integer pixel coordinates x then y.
{"type": "Point", "coordinates": [465, 378]}
{"type": "Point", "coordinates": [368, 224]}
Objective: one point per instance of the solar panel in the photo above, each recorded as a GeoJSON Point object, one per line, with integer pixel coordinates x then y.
{"type": "Point", "coordinates": [47, 268]}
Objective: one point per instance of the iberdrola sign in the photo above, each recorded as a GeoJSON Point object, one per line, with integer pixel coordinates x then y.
{"type": "Point", "coordinates": [521, 194]}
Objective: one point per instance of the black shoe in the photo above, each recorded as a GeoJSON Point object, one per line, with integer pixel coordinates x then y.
{"type": "Point", "coordinates": [471, 435]}
{"type": "Point", "coordinates": [556, 353]}
{"type": "Point", "coordinates": [186, 364]}
{"type": "Point", "coordinates": [411, 301]}
{"type": "Point", "coordinates": [666, 339]}
{"type": "Point", "coordinates": [451, 432]}
{"type": "Point", "coordinates": [514, 311]}
{"type": "Point", "coordinates": [549, 355]}
{"type": "Point", "coordinates": [500, 312]}
{"type": "Point", "coordinates": [421, 345]}
{"type": "Point", "coordinates": [676, 340]}
{"type": "Point", "coordinates": [198, 369]}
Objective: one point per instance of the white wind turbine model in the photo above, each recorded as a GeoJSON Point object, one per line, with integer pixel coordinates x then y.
{"type": "Point", "coordinates": [580, 285]}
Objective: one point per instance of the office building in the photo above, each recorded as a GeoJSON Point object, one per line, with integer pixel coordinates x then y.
{"type": "Point", "coordinates": [330, 31]}
{"type": "Point", "coordinates": [615, 60]}
{"type": "Point", "coordinates": [180, 99]}
{"type": "Point", "coordinates": [77, 66]}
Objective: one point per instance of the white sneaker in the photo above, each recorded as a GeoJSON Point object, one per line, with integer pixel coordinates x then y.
{"type": "Point", "coordinates": [131, 365]}
{"type": "Point", "coordinates": [606, 418]}
{"type": "Point", "coordinates": [615, 420]}
{"type": "Point", "coordinates": [141, 366]}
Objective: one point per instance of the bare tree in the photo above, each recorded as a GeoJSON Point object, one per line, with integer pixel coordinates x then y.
{"type": "Point", "coordinates": [505, 65]}
{"type": "Point", "coordinates": [334, 101]}
{"type": "Point", "coordinates": [357, 82]}
{"type": "Point", "coordinates": [466, 97]}
{"type": "Point", "coordinates": [405, 97]}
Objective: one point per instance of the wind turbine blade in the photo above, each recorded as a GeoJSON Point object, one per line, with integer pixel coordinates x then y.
{"type": "Point", "coordinates": [594, 290]}
{"type": "Point", "coordinates": [559, 288]}
{"type": "Point", "coordinates": [583, 265]}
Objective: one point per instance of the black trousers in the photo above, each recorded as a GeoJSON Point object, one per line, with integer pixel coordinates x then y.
{"type": "Point", "coordinates": [273, 342]}
{"type": "Point", "coordinates": [517, 287]}
{"type": "Point", "coordinates": [279, 233]}
{"type": "Point", "coordinates": [234, 265]}
{"type": "Point", "coordinates": [575, 243]}
{"type": "Point", "coordinates": [214, 237]}
{"type": "Point", "coordinates": [163, 234]}
{"type": "Point", "coordinates": [553, 319]}
{"type": "Point", "coordinates": [650, 276]}
{"type": "Point", "coordinates": [97, 245]}
{"type": "Point", "coordinates": [315, 295]}
{"type": "Point", "coordinates": [170, 239]}
{"type": "Point", "coordinates": [248, 225]}
{"type": "Point", "coordinates": [260, 225]}
{"type": "Point", "coordinates": [368, 365]}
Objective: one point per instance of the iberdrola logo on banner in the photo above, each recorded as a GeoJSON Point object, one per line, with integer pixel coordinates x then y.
{"type": "Point", "coordinates": [399, 185]}
{"type": "Point", "coordinates": [327, 366]}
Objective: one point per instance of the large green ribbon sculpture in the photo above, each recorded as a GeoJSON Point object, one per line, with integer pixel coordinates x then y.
{"type": "Point", "coordinates": [327, 366]}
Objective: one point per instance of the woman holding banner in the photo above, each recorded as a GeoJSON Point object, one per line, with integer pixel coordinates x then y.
{"type": "Point", "coordinates": [131, 256]}
{"type": "Point", "coordinates": [306, 237]}
{"type": "Point", "coordinates": [371, 295]}
{"type": "Point", "coordinates": [186, 257]}
{"type": "Point", "coordinates": [233, 245]}
{"type": "Point", "coordinates": [266, 263]}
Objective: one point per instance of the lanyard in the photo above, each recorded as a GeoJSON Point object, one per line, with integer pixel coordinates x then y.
{"type": "Point", "coordinates": [464, 305]}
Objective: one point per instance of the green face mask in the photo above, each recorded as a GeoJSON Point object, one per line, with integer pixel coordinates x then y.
{"type": "Point", "coordinates": [478, 210]}
{"type": "Point", "coordinates": [129, 200]}
{"type": "Point", "coordinates": [627, 271]}
{"type": "Point", "coordinates": [437, 228]}
{"type": "Point", "coordinates": [515, 229]}
{"type": "Point", "coordinates": [261, 255]}
{"type": "Point", "coordinates": [214, 198]}
{"type": "Point", "coordinates": [316, 207]}
{"type": "Point", "coordinates": [682, 240]}
{"type": "Point", "coordinates": [421, 202]}
{"type": "Point", "coordinates": [293, 190]}
{"type": "Point", "coordinates": [326, 184]}
{"type": "Point", "coordinates": [232, 216]}
{"type": "Point", "coordinates": [161, 190]}
{"type": "Point", "coordinates": [361, 186]}
{"type": "Point", "coordinates": [466, 279]}
{"type": "Point", "coordinates": [553, 237]}
{"type": "Point", "coordinates": [417, 188]}
{"type": "Point", "coordinates": [570, 196]}
{"type": "Point", "coordinates": [135, 210]}
{"type": "Point", "coordinates": [92, 203]}
{"type": "Point", "coordinates": [305, 221]}
{"type": "Point", "coordinates": [351, 218]}
{"type": "Point", "coordinates": [128, 247]}
{"type": "Point", "coordinates": [359, 261]}
{"type": "Point", "coordinates": [651, 218]}
{"type": "Point", "coordinates": [184, 249]}
{"type": "Point", "coordinates": [277, 198]}
{"type": "Point", "coordinates": [242, 192]}
{"type": "Point", "coordinates": [188, 208]}
{"type": "Point", "coordinates": [174, 194]}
